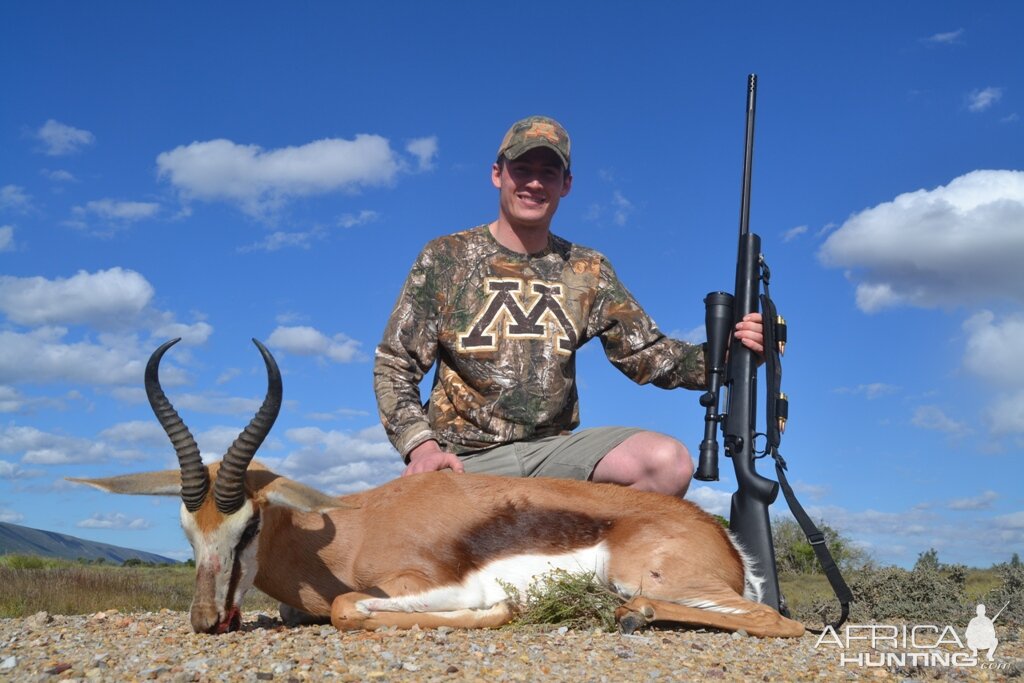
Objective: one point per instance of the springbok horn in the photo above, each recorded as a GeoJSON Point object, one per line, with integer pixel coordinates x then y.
{"type": "Point", "coordinates": [229, 489]}
{"type": "Point", "coordinates": [195, 481]}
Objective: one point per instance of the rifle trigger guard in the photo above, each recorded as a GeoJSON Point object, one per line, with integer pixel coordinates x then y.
{"type": "Point", "coordinates": [758, 454]}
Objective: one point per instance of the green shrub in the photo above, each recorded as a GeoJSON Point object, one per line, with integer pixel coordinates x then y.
{"type": "Point", "coordinates": [928, 561]}
{"type": "Point", "coordinates": [29, 562]}
{"type": "Point", "coordinates": [1011, 591]}
{"type": "Point", "coordinates": [794, 554]}
{"type": "Point", "coordinates": [924, 595]}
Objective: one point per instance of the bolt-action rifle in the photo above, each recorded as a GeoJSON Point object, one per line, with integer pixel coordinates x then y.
{"type": "Point", "coordinates": [733, 366]}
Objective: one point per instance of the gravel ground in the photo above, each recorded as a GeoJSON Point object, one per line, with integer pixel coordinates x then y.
{"type": "Point", "coordinates": [110, 646]}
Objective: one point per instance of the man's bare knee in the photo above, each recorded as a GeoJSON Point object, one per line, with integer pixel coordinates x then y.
{"type": "Point", "coordinates": [649, 461]}
{"type": "Point", "coordinates": [671, 466]}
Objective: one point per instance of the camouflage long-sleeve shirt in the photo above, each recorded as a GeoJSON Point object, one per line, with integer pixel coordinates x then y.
{"type": "Point", "coordinates": [505, 327]}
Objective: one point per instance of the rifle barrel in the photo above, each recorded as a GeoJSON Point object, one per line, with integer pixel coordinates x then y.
{"type": "Point", "coordinates": [748, 154]}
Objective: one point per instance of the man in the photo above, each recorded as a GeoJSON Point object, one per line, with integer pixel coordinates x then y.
{"type": "Point", "coordinates": [502, 309]}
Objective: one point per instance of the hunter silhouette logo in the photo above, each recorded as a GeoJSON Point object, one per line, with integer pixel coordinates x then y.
{"type": "Point", "coordinates": [981, 632]}
{"type": "Point", "coordinates": [520, 309]}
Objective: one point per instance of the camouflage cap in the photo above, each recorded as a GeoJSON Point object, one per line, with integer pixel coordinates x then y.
{"type": "Point", "coordinates": [532, 132]}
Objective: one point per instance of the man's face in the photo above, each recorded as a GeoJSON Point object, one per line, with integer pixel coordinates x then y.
{"type": "Point", "coordinates": [530, 187]}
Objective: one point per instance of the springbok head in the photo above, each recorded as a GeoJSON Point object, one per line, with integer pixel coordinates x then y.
{"type": "Point", "coordinates": [221, 508]}
{"type": "Point", "coordinates": [223, 528]}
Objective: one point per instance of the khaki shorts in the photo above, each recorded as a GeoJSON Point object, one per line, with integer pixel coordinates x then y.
{"type": "Point", "coordinates": [572, 456]}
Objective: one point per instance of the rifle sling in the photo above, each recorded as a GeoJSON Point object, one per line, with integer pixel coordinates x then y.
{"type": "Point", "coordinates": [817, 541]}
{"type": "Point", "coordinates": [778, 407]}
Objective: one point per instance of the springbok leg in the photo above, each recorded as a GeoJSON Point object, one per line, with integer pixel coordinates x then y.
{"type": "Point", "coordinates": [757, 620]}
{"type": "Point", "coordinates": [347, 613]}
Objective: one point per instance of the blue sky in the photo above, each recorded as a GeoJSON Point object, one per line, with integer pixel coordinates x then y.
{"type": "Point", "coordinates": [222, 171]}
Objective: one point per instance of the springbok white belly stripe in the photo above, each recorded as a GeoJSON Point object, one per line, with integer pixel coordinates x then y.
{"type": "Point", "coordinates": [486, 587]}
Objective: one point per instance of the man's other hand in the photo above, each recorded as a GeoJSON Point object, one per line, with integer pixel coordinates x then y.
{"type": "Point", "coordinates": [428, 457]}
{"type": "Point", "coordinates": [750, 333]}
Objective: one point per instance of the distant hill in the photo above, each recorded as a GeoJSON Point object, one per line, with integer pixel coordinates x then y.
{"type": "Point", "coordinates": [22, 540]}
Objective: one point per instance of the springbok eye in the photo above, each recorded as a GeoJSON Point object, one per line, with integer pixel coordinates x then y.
{"type": "Point", "coordinates": [251, 529]}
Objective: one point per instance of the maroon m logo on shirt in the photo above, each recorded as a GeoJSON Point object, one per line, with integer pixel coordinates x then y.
{"type": "Point", "coordinates": [546, 317]}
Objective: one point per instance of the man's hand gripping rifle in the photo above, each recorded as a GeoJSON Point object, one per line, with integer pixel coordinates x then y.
{"type": "Point", "coordinates": [733, 366]}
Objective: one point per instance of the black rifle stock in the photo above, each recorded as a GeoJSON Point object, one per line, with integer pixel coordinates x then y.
{"type": "Point", "coordinates": [748, 518]}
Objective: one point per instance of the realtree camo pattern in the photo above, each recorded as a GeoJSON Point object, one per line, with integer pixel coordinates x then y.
{"type": "Point", "coordinates": [506, 328]}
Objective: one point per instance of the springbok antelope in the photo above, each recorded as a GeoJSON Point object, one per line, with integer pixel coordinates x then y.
{"type": "Point", "coordinates": [436, 549]}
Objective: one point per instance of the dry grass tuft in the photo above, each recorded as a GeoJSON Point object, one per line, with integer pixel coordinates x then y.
{"type": "Point", "coordinates": [575, 600]}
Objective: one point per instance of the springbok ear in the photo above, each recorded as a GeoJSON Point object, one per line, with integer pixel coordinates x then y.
{"type": "Point", "coordinates": [273, 488]}
{"type": "Point", "coordinates": [167, 483]}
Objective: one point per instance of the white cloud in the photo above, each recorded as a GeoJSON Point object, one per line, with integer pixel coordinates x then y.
{"type": "Point", "coordinates": [1012, 521]}
{"type": "Point", "coordinates": [119, 211]}
{"type": "Point", "coordinates": [218, 404]}
{"type": "Point", "coordinates": [621, 208]}
{"type": "Point", "coordinates": [228, 375]}
{"type": "Point", "coordinates": [41, 355]}
{"type": "Point", "coordinates": [6, 238]}
{"type": "Point", "coordinates": [10, 400]}
{"type": "Point", "coordinates": [37, 447]}
{"type": "Point", "coordinates": [793, 233]}
{"type": "Point", "coordinates": [980, 100]}
{"type": "Point", "coordinates": [162, 326]}
{"type": "Point", "coordinates": [946, 38]}
{"type": "Point", "coordinates": [992, 353]}
{"type": "Point", "coordinates": [260, 181]}
{"type": "Point", "coordinates": [59, 175]}
{"type": "Point", "coordinates": [1005, 413]}
{"type": "Point", "coordinates": [993, 349]}
{"type": "Point", "coordinates": [918, 528]}
{"type": "Point", "coordinates": [813, 491]}
{"type": "Point", "coordinates": [308, 341]}
{"type": "Point", "coordinates": [115, 520]}
{"type": "Point", "coordinates": [10, 516]}
{"type": "Point", "coordinates": [956, 244]}
{"type": "Point", "coordinates": [338, 462]}
{"type": "Point", "coordinates": [935, 419]}
{"type": "Point", "coordinates": [94, 298]}
{"type": "Point", "coordinates": [13, 401]}
{"type": "Point", "coordinates": [115, 303]}
{"type": "Point", "coordinates": [14, 198]}
{"type": "Point", "coordinates": [425, 150]}
{"type": "Point", "coordinates": [213, 442]}
{"type": "Point", "coordinates": [136, 432]}
{"type": "Point", "coordinates": [350, 220]}
{"type": "Point", "coordinates": [869, 391]}
{"type": "Point", "coordinates": [713, 500]}
{"type": "Point", "coordinates": [983, 501]}
{"type": "Point", "coordinates": [340, 413]}
{"type": "Point", "coordinates": [61, 139]}
{"type": "Point", "coordinates": [282, 240]}
{"type": "Point", "coordinates": [10, 470]}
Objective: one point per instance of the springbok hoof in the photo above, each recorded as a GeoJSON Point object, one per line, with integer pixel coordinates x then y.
{"type": "Point", "coordinates": [629, 621]}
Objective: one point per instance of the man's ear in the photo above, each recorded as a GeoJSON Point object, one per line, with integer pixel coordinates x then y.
{"type": "Point", "coordinates": [567, 185]}
{"type": "Point", "coordinates": [496, 175]}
